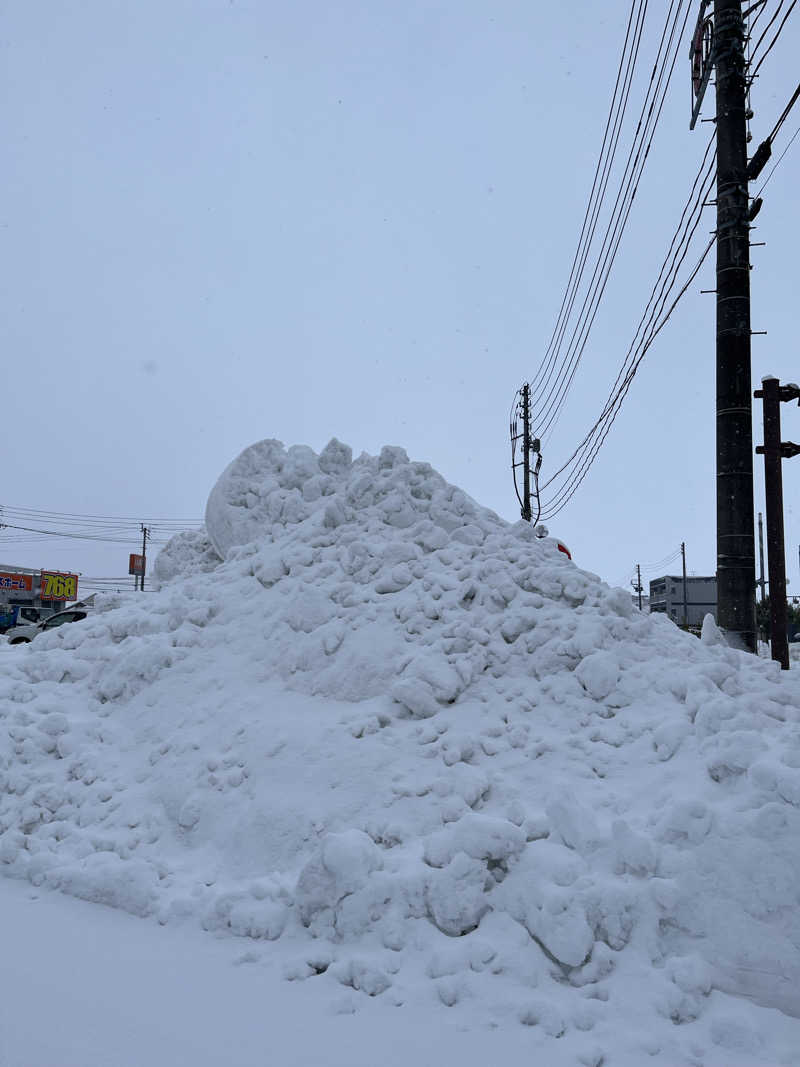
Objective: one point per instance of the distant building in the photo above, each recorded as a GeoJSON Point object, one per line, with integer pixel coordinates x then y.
{"type": "Point", "coordinates": [666, 595]}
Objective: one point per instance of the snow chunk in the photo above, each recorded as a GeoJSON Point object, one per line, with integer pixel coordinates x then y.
{"type": "Point", "coordinates": [598, 673]}
{"type": "Point", "coordinates": [342, 864]}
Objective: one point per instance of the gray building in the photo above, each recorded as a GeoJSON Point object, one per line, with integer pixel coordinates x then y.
{"type": "Point", "coordinates": [666, 595]}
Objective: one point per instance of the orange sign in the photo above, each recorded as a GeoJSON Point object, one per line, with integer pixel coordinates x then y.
{"type": "Point", "coordinates": [16, 583]}
{"type": "Point", "coordinates": [135, 564]}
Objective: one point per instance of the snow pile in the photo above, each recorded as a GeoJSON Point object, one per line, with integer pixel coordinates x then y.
{"type": "Point", "coordinates": [428, 756]}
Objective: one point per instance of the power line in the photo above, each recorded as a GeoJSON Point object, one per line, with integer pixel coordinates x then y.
{"type": "Point", "coordinates": [777, 161]}
{"type": "Point", "coordinates": [554, 384]}
{"type": "Point", "coordinates": [551, 404]}
{"type": "Point", "coordinates": [66, 517]}
{"type": "Point", "coordinates": [759, 7]}
{"type": "Point", "coordinates": [662, 562]}
{"type": "Point", "coordinates": [62, 535]}
{"type": "Point", "coordinates": [766, 29]}
{"type": "Point", "coordinates": [784, 113]}
{"type": "Point", "coordinates": [601, 428]}
{"type": "Point", "coordinates": [583, 456]}
{"type": "Point", "coordinates": [619, 103]}
{"type": "Point", "coordinates": [752, 74]}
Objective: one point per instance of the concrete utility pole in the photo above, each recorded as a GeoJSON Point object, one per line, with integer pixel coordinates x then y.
{"type": "Point", "coordinates": [735, 526]}
{"type": "Point", "coordinates": [685, 598]}
{"type": "Point", "coordinates": [637, 585]}
{"type": "Point", "coordinates": [526, 452]}
{"type": "Point", "coordinates": [145, 535]}
{"type": "Point", "coordinates": [774, 451]}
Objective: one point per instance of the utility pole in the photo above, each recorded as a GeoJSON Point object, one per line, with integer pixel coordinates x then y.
{"type": "Point", "coordinates": [685, 598]}
{"type": "Point", "coordinates": [761, 583]}
{"type": "Point", "coordinates": [774, 451]}
{"type": "Point", "coordinates": [637, 585]}
{"type": "Point", "coordinates": [735, 535]}
{"type": "Point", "coordinates": [526, 452]}
{"type": "Point", "coordinates": [530, 444]}
{"type": "Point", "coordinates": [145, 535]}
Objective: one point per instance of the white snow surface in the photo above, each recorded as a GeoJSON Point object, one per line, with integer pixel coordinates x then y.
{"type": "Point", "coordinates": [428, 759]}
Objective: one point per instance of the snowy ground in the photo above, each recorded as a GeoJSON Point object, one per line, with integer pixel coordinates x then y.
{"type": "Point", "coordinates": [430, 783]}
{"type": "Point", "coordinates": [86, 986]}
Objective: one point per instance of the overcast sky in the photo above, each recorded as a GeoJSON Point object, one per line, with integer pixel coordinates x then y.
{"type": "Point", "coordinates": [225, 221]}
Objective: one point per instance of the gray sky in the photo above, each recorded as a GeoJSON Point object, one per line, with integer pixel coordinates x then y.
{"type": "Point", "coordinates": [225, 221]}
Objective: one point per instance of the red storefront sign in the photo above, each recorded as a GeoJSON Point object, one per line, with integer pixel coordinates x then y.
{"type": "Point", "coordinates": [16, 583]}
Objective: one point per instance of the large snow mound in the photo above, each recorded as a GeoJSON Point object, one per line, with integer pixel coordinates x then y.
{"type": "Point", "coordinates": [422, 750]}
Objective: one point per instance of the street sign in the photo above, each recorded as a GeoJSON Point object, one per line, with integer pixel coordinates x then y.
{"type": "Point", "coordinates": [701, 56]}
{"type": "Point", "coordinates": [16, 583]}
{"type": "Point", "coordinates": [59, 586]}
{"type": "Point", "coordinates": [136, 564]}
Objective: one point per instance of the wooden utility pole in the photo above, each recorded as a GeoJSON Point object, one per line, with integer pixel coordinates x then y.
{"type": "Point", "coordinates": [735, 526]}
{"type": "Point", "coordinates": [774, 451]}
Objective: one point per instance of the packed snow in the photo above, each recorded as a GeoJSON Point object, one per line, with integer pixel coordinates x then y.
{"type": "Point", "coordinates": [419, 758]}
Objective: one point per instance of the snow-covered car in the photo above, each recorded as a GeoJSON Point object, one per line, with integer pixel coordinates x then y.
{"type": "Point", "coordinates": [22, 635]}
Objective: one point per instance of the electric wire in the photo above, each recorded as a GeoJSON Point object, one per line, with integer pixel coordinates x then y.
{"type": "Point", "coordinates": [612, 228]}
{"type": "Point", "coordinates": [688, 222]}
{"type": "Point", "coordinates": [647, 568]}
{"type": "Point", "coordinates": [547, 367]}
{"type": "Point", "coordinates": [759, 7]}
{"type": "Point", "coordinates": [766, 29]}
{"type": "Point", "coordinates": [662, 562]}
{"type": "Point", "coordinates": [777, 161]}
{"type": "Point", "coordinates": [612, 411]}
{"type": "Point", "coordinates": [547, 412]}
{"type": "Point", "coordinates": [690, 217]}
{"type": "Point", "coordinates": [592, 440]}
{"type": "Point", "coordinates": [62, 535]}
{"type": "Point", "coordinates": [70, 517]}
{"type": "Point", "coordinates": [599, 431]}
{"type": "Point", "coordinates": [581, 459]}
{"type": "Point", "coordinates": [637, 155]}
{"type": "Point", "coordinates": [655, 317]}
{"type": "Point", "coordinates": [619, 103]}
{"type": "Point", "coordinates": [784, 114]}
{"type": "Point", "coordinates": [754, 72]}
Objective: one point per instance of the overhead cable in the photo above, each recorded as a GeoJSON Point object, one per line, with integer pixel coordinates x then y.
{"type": "Point", "coordinates": [608, 148]}
{"type": "Point", "coordinates": [753, 73]}
{"type": "Point", "coordinates": [676, 254]}
{"type": "Point", "coordinates": [777, 161]}
{"type": "Point", "coordinates": [549, 406]}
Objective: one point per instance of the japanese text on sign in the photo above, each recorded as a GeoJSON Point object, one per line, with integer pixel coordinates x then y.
{"type": "Point", "coordinates": [16, 582]}
{"type": "Point", "coordinates": [56, 586]}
